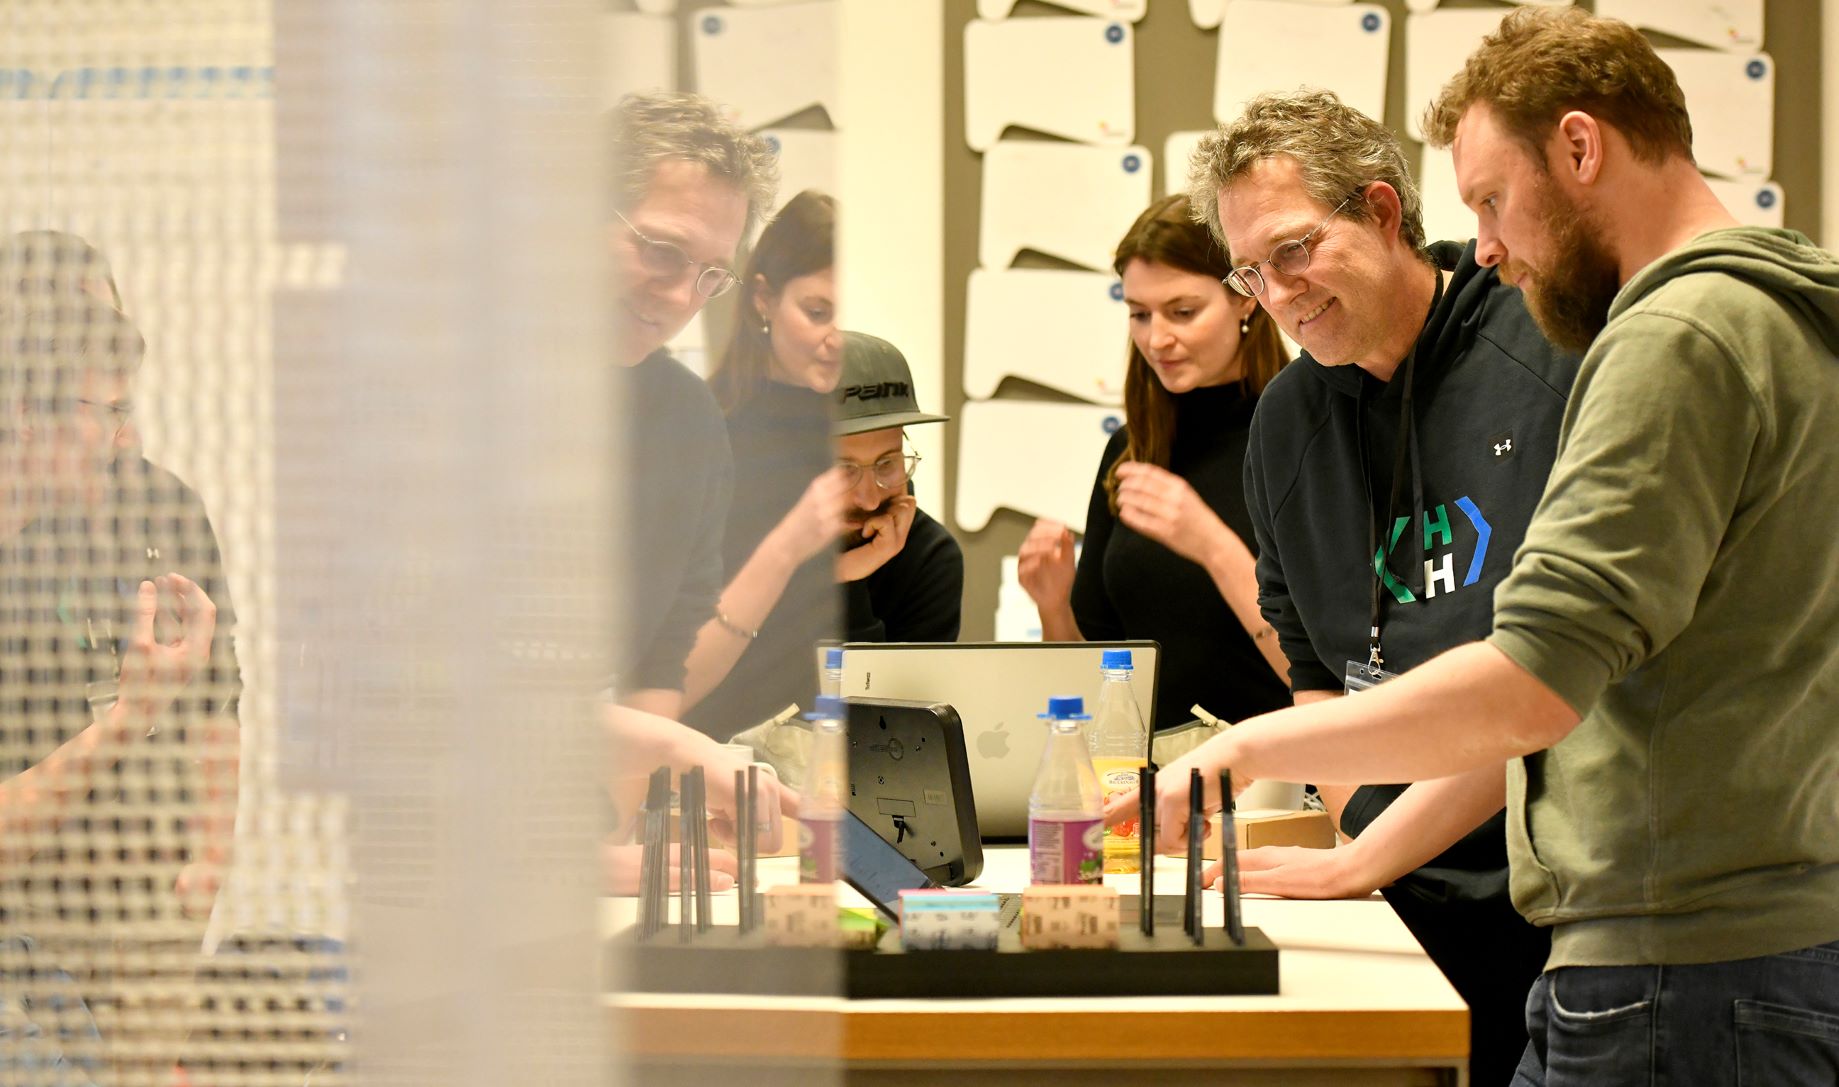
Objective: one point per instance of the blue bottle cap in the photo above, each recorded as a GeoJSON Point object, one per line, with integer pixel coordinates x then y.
{"type": "Point", "coordinates": [1114, 658]}
{"type": "Point", "coordinates": [1066, 707]}
{"type": "Point", "coordinates": [828, 708]}
{"type": "Point", "coordinates": [833, 657]}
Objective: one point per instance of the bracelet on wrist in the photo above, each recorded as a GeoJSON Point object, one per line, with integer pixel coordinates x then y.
{"type": "Point", "coordinates": [733, 627]}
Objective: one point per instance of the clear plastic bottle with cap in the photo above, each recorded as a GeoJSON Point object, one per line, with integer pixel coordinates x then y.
{"type": "Point", "coordinates": [1120, 746]}
{"type": "Point", "coordinates": [1066, 822]}
{"type": "Point", "coordinates": [830, 679]}
{"type": "Point", "coordinates": [825, 797]}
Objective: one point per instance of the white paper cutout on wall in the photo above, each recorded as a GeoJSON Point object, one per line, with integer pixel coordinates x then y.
{"type": "Point", "coordinates": [1066, 200]}
{"type": "Point", "coordinates": [1030, 456]}
{"type": "Point", "coordinates": [1446, 217]}
{"type": "Point", "coordinates": [1111, 9]}
{"type": "Point", "coordinates": [1206, 13]}
{"type": "Point", "coordinates": [1064, 330]}
{"type": "Point", "coordinates": [1430, 5]}
{"type": "Point", "coordinates": [1754, 203]}
{"type": "Point", "coordinates": [1437, 45]}
{"type": "Point", "coordinates": [1724, 24]}
{"type": "Point", "coordinates": [1731, 97]}
{"type": "Point", "coordinates": [1070, 77]}
{"type": "Point", "coordinates": [807, 160]}
{"type": "Point", "coordinates": [1177, 154]}
{"type": "Point", "coordinates": [769, 63]}
{"type": "Point", "coordinates": [640, 54]}
{"type": "Point", "coordinates": [657, 7]}
{"type": "Point", "coordinates": [1275, 45]}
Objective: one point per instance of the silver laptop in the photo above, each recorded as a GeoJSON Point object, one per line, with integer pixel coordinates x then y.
{"type": "Point", "coordinates": [997, 688]}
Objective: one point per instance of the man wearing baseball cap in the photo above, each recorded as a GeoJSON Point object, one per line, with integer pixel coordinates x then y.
{"type": "Point", "coordinates": [903, 574]}
{"type": "Point", "coordinates": [871, 567]}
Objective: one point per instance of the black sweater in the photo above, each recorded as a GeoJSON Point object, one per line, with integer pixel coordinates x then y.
{"type": "Point", "coordinates": [1129, 586]}
{"type": "Point", "coordinates": [1488, 396]}
{"type": "Point", "coordinates": [671, 451]}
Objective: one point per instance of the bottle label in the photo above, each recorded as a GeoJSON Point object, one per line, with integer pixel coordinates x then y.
{"type": "Point", "coordinates": [1066, 850]}
{"type": "Point", "coordinates": [818, 841]}
{"type": "Point", "coordinates": [1122, 851]}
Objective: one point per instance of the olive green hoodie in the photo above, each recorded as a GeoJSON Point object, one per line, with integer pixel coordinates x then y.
{"type": "Point", "coordinates": [1679, 587]}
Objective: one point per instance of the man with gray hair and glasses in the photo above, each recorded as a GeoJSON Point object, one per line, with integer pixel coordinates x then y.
{"type": "Point", "coordinates": [1390, 474]}
{"type": "Point", "coordinates": [689, 184]}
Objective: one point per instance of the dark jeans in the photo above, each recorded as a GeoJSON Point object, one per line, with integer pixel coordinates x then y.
{"type": "Point", "coordinates": [1771, 1021]}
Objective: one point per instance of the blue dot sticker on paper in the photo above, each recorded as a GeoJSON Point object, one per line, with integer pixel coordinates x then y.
{"type": "Point", "coordinates": [1117, 292]}
{"type": "Point", "coordinates": [1114, 33]}
{"type": "Point", "coordinates": [712, 24]}
{"type": "Point", "coordinates": [1765, 199]}
{"type": "Point", "coordinates": [1132, 163]}
{"type": "Point", "coordinates": [1370, 23]}
{"type": "Point", "coordinates": [1756, 69]}
{"type": "Point", "coordinates": [1112, 422]}
{"type": "Point", "coordinates": [772, 143]}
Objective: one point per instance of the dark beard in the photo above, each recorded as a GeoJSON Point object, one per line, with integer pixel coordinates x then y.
{"type": "Point", "coordinates": [855, 519]}
{"type": "Point", "coordinates": [1569, 299]}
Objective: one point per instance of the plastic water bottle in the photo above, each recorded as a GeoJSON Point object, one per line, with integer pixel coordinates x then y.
{"type": "Point", "coordinates": [1119, 748]}
{"type": "Point", "coordinates": [830, 681]}
{"type": "Point", "coordinates": [826, 794]}
{"type": "Point", "coordinates": [1066, 822]}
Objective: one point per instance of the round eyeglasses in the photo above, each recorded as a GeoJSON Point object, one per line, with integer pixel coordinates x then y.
{"type": "Point", "coordinates": [1291, 258]}
{"type": "Point", "coordinates": [890, 472]}
{"type": "Point", "coordinates": [667, 260]}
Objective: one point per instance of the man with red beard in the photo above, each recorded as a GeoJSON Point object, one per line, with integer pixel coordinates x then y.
{"type": "Point", "coordinates": [1660, 672]}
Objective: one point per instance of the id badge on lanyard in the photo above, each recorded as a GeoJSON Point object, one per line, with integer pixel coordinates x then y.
{"type": "Point", "coordinates": [1362, 676]}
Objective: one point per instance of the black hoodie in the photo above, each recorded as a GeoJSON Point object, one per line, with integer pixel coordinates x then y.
{"type": "Point", "coordinates": [1488, 395]}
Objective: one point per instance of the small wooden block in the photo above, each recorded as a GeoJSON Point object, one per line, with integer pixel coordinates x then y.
{"type": "Point", "coordinates": [802, 915]}
{"type": "Point", "coordinates": [939, 920]}
{"type": "Point", "coordinates": [1078, 915]}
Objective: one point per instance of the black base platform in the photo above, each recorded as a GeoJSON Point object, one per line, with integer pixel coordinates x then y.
{"type": "Point", "coordinates": [1167, 964]}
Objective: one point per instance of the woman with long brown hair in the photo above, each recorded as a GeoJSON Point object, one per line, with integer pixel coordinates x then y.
{"type": "Point", "coordinates": [774, 380]}
{"type": "Point", "coordinates": [1167, 551]}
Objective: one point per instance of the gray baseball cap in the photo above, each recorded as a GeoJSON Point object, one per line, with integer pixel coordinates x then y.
{"type": "Point", "coordinates": [876, 389]}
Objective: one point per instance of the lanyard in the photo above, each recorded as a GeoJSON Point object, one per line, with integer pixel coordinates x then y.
{"type": "Point", "coordinates": [1381, 553]}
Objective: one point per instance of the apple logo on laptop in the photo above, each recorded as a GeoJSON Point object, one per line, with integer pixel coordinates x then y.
{"type": "Point", "coordinates": [994, 744]}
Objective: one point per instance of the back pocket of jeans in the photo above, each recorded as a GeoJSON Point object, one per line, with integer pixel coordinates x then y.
{"type": "Point", "coordinates": [1779, 1046]}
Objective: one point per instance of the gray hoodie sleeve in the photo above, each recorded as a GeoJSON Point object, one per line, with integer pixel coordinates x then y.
{"type": "Point", "coordinates": [1657, 440]}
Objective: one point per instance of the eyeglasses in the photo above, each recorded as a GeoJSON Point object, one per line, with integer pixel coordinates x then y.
{"type": "Point", "coordinates": [664, 259]}
{"type": "Point", "coordinates": [890, 472]}
{"type": "Point", "coordinates": [1291, 258]}
{"type": "Point", "coordinates": [121, 412]}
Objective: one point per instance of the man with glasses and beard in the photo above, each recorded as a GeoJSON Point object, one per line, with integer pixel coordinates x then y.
{"type": "Point", "coordinates": [1390, 473]}
{"type": "Point", "coordinates": [1660, 673]}
{"type": "Point", "coordinates": [901, 573]}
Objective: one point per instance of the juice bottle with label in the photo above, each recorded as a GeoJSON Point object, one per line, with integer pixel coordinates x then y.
{"type": "Point", "coordinates": [1120, 746]}
{"type": "Point", "coordinates": [1066, 821]}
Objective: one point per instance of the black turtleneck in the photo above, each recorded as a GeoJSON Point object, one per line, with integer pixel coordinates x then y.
{"type": "Point", "coordinates": [1129, 586]}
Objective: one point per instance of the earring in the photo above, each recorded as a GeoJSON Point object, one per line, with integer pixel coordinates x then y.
{"type": "Point", "coordinates": [1245, 325]}
{"type": "Point", "coordinates": [766, 328]}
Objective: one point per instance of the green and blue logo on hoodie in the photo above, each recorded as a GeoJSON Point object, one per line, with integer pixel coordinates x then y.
{"type": "Point", "coordinates": [1439, 569]}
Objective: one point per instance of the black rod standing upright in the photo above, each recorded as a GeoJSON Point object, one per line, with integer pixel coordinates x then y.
{"type": "Point", "coordinates": [1197, 833]}
{"type": "Point", "coordinates": [684, 890]}
{"type": "Point", "coordinates": [1146, 848]}
{"type": "Point", "coordinates": [749, 884]}
{"type": "Point", "coordinates": [699, 830]}
{"type": "Point", "coordinates": [1229, 862]}
{"type": "Point", "coordinates": [740, 848]}
{"type": "Point", "coordinates": [654, 877]}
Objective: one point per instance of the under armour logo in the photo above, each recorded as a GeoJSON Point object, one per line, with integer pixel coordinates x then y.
{"type": "Point", "coordinates": [1501, 448]}
{"type": "Point", "coordinates": [153, 553]}
{"type": "Point", "coordinates": [1503, 445]}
